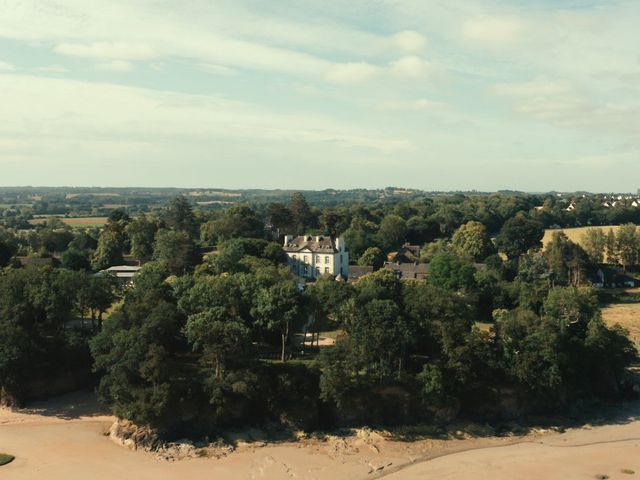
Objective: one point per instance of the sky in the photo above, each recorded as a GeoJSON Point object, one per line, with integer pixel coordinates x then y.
{"type": "Point", "coordinates": [437, 95]}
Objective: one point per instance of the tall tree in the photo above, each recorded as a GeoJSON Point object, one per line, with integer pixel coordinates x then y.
{"type": "Point", "coordinates": [594, 242]}
{"type": "Point", "coordinates": [179, 216]}
{"type": "Point", "coordinates": [276, 308]}
{"type": "Point", "coordinates": [176, 249]}
{"type": "Point", "coordinates": [627, 245]}
{"type": "Point", "coordinates": [218, 337]}
{"type": "Point", "coordinates": [612, 247]}
{"type": "Point", "coordinates": [303, 217]}
{"type": "Point", "coordinates": [392, 231]}
{"type": "Point", "coordinates": [142, 231]}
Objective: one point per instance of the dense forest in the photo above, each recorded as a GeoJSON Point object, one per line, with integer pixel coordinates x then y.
{"type": "Point", "coordinates": [208, 336]}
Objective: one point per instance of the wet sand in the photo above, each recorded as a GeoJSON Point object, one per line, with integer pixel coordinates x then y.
{"type": "Point", "coordinates": [64, 439]}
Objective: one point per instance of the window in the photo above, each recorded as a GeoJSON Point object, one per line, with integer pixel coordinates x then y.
{"type": "Point", "coordinates": [318, 258]}
{"type": "Point", "coordinates": [326, 269]}
{"type": "Point", "coordinates": [294, 257]}
{"type": "Point", "coordinates": [326, 259]}
{"type": "Point", "coordinates": [306, 270]}
{"type": "Point", "coordinates": [306, 259]}
{"type": "Point", "coordinates": [317, 270]}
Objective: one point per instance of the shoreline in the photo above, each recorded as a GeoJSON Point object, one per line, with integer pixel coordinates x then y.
{"type": "Point", "coordinates": [68, 440]}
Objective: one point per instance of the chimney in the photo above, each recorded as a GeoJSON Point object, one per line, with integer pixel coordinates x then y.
{"type": "Point", "coordinates": [287, 239]}
{"type": "Point", "coordinates": [339, 244]}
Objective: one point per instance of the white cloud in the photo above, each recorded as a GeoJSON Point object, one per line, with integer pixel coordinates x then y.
{"type": "Point", "coordinates": [533, 89]}
{"type": "Point", "coordinates": [346, 73]}
{"type": "Point", "coordinates": [409, 41]}
{"type": "Point", "coordinates": [115, 66]}
{"type": "Point", "coordinates": [51, 69]}
{"type": "Point", "coordinates": [7, 67]}
{"type": "Point", "coordinates": [561, 103]}
{"type": "Point", "coordinates": [410, 67]}
{"type": "Point", "coordinates": [421, 104]}
{"type": "Point", "coordinates": [107, 50]}
{"type": "Point", "coordinates": [98, 113]}
{"type": "Point", "coordinates": [493, 29]}
{"type": "Point", "coordinates": [216, 69]}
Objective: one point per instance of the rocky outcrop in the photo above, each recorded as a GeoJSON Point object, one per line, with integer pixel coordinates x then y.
{"type": "Point", "coordinates": [146, 439]}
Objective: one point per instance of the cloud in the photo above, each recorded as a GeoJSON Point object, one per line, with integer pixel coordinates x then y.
{"type": "Point", "coordinates": [101, 113]}
{"type": "Point", "coordinates": [216, 69]}
{"type": "Point", "coordinates": [346, 73]}
{"type": "Point", "coordinates": [7, 67]}
{"type": "Point", "coordinates": [493, 29]}
{"type": "Point", "coordinates": [107, 50]}
{"type": "Point", "coordinates": [51, 69]}
{"type": "Point", "coordinates": [561, 103]}
{"type": "Point", "coordinates": [418, 105]}
{"type": "Point", "coordinates": [410, 67]}
{"type": "Point", "coordinates": [409, 41]}
{"type": "Point", "coordinates": [115, 66]}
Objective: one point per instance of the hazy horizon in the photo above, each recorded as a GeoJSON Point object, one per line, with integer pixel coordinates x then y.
{"type": "Point", "coordinates": [472, 95]}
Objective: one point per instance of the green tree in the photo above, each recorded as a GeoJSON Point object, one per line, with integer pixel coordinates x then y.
{"type": "Point", "coordinates": [392, 231]}
{"type": "Point", "coordinates": [218, 337]}
{"type": "Point", "coordinates": [612, 247]}
{"type": "Point", "coordinates": [142, 231]}
{"type": "Point", "coordinates": [594, 242]}
{"type": "Point", "coordinates": [235, 222]}
{"type": "Point", "coordinates": [137, 353]}
{"type": "Point", "coordinates": [280, 217]}
{"type": "Point", "coordinates": [276, 307]}
{"type": "Point", "coordinates": [74, 259]}
{"type": "Point", "coordinates": [451, 272]}
{"type": "Point", "coordinates": [179, 216]}
{"type": "Point", "coordinates": [109, 250]}
{"type": "Point", "coordinates": [303, 217]}
{"type": "Point", "coordinates": [175, 248]}
{"type": "Point", "coordinates": [471, 239]}
{"type": "Point", "coordinates": [8, 247]}
{"type": "Point", "coordinates": [518, 235]}
{"type": "Point", "coordinates": [567, 260]}
{"type": "Point", "coordinates": [372, 256]}
{"type": "Point", "coordinates": [627, 245]}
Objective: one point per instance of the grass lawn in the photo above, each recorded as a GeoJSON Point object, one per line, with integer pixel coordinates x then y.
{"type": "Point", "coordinates": [6, 458]}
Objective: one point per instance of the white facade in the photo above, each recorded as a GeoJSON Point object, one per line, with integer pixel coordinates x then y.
{"type": "Point", "coordinates": [313, 256]}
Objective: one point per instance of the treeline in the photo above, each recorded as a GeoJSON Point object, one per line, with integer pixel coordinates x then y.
{"type": "Point", "coordinates": [206, 338]}
{"type": "Point", "coordinates": [206, 351]}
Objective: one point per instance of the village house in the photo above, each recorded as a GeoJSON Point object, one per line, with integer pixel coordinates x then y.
{"type": "Point", "coordinates": [406, 254]}
{"type": "Point", "coordinates": [356, 272]}
{"type": "Point", "coordinates": [408, 271]}
{"type": "Point", "coordinates": [311, 257]}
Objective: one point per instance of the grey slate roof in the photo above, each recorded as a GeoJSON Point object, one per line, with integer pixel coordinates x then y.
{"type": "Point", "coordinates": [314, 244]}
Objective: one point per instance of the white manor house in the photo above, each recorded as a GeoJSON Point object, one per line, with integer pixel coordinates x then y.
{"type": "Point", "coordinates": [313, 256]}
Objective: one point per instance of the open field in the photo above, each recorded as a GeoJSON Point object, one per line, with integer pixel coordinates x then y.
{"type": "Point", "coordinates": [76, 222]}
{"type": "Point", "coordinates": [574, 234]}
{"type": "Point", "coordinates": [626, 312]}
{"type": "Point", "coordinates": [64, 438]}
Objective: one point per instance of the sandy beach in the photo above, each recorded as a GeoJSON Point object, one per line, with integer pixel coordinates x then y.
{"type": "Point", "coordinates": [65, 439]}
